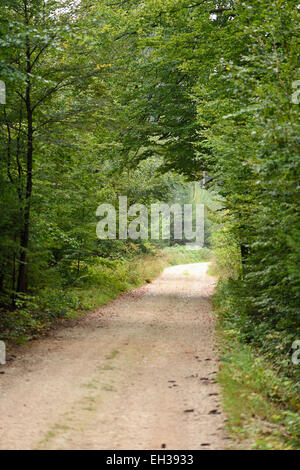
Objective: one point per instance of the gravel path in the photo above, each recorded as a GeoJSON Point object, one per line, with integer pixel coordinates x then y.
{"type": "Point", "coordinates": [138, 373]}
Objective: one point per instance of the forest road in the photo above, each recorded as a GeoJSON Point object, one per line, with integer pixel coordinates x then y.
{"type": "Point", "coordinates": [138, 373]}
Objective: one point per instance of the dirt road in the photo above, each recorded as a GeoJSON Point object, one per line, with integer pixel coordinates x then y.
{"type": "Point", "coordinates": [138, 373]}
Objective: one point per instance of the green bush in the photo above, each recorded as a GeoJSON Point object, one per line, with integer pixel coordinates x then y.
{"type": "Point", "coordinates": [34, 314]}
{"type": "Point", "coordinates": [255, 358]}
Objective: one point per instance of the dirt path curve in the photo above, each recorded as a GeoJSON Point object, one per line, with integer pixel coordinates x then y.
{"type": "Point", "coordinates": [139, 373]}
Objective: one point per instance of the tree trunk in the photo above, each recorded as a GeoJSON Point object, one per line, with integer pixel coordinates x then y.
{"type": "Point", "coordinates": [244, 253]}
{"type": "Point", "coordinates": [24, 236]}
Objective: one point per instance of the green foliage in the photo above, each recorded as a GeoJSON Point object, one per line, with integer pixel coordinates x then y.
{"type": "Point", "coordinates": [33, 315]}
{"type": "Point", "coordinates": [56, 303]}
{"type": "Point", "coordinates": [256, 361]}
{"type": "Point", "coordinates": [269, 415]}
{"type": "Point", "coordinates": [227, 256]}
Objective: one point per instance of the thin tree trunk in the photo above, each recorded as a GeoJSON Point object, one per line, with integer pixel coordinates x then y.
{"type": "Point", "coordinates": [24, 241]}
{"type": "Point", "coordinates": [24, 236]}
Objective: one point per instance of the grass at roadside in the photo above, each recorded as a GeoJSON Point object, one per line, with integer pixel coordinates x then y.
{"type": "Point", "coordinates": [260, 384]}
{"type": "Point", "coordinates": [262, 405]}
